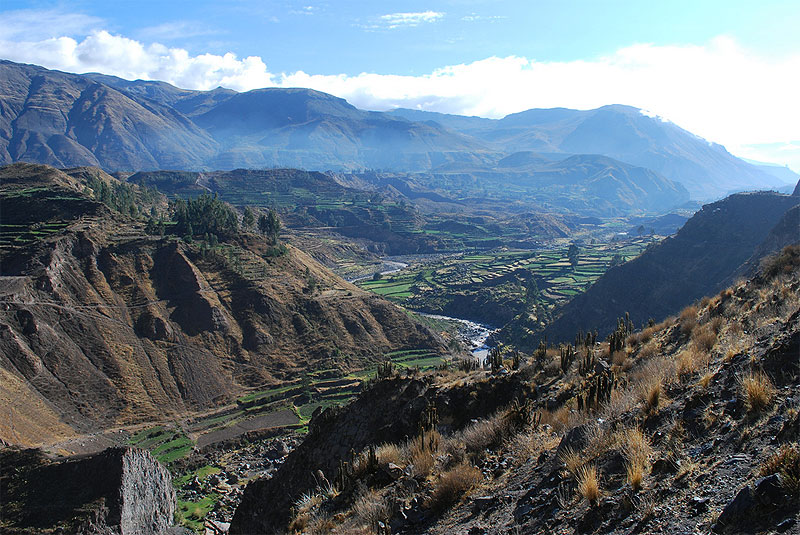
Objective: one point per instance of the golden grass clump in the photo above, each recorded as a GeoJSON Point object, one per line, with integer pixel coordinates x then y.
{"type": "Point", "coordinates": [484, 433]}
{"type": "Point", "coordinates": [370, 508]}
{"type": "Point", "coordinates": [588, 483]}
{"type": "Point", "coordinates": [650, 392]}
{"type": "Point", "coordinates": [704, 338]}
{"type": "Point", "coordinates": [572, 461]}
{"type": "Point", "coordinates": [453, 485]}
{"type": "Point", "coordinates": [688, 319]}
{"type": "Point", "coordinates": [757, 391]}
{"type": "Point", "coordinates": [390, 453]}
{"type": "Point", "coordinates": [705, 380]}
{"type": "Point", "coordinates": [786, 462]}
{"type": "Point", "coordinates": [636, 449]}
{"type": "Point", "coordinates": [422, 452]}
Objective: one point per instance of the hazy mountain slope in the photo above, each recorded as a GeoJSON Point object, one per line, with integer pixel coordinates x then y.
{"type": "Point", "coordinates": [65, 119]}
{"type": "Point", "coordinates": [781, 172]}
{"type": "Point", "coordinates": [70, 120]}
{"type": "Point", "coordinates": [102, 325]}
{"type": "Point", "coordinates": [583, 184]}
{"type": "Point", "coordinates": [694, 263]}
{"type": "Point", "coordinates": [186, 101]}
{"type": "Point", "coordinates": [309, 129]}
{"type": "Point", "coordinates": [624, 133]}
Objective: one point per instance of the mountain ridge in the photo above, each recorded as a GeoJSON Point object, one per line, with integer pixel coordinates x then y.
{"type": "Point", "coordinates": [148, 125]}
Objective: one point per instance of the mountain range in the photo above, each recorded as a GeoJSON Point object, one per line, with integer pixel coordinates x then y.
{"type": "Point", "coordinates": [66, 120]}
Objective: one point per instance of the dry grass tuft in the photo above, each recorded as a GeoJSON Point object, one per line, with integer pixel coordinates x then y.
{"type": "Point", "coordinates": [484, 434]}
{"type": "Point", "coordinates": [370, 508]}
{"type": "Point", "coordinates": [390, 453]}
{"type": "Point", "coordinates": [572, 461]}
{"type": "Point", "coordinates": [757, 390]}
{"type": "Point", "coordinates": [637, 450]}
{"type": "Point", "coordinates": [588, 483]}
{"type": "Point", "coordinates": [691, 360]}
{"type": "Point", "coordinates": [705, 380]}
{"type": "Point", "coordinates": [635, 474]}
{"type": "Point", "coordinates": [452, 485]}
{"type": "Point", "coordinates": [704, 339]}
{"type": "Point", "coordinates": [786, 462]}
{"type": "Point", "coordinates": [649, 350]}
{"type": "Point", "coordinates": [688, 319]}
{"type": "Point", "coordinates": [650, 393]}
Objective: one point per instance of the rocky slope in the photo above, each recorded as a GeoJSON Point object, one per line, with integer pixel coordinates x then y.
{"type": "Point", "coordinates": [103, 325]}
{"type": "Point", "coordinates": [68, 120]}
{"type": "Point", "coordinates": [691, 426]}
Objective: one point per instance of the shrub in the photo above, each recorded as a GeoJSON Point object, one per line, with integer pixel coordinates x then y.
{"type": "Point", "coordinates": [572, 460]}
{"type": "Point", "coordinates": [452, 485]}
{"type": "Point", "coordinates": [688, 319]}
{"type": "Point", "coordinates": [786, 462]}
{"type": "Point", "coordinates": [588, 483]}
{"type": "Point", "coordinates": [757, 390]}
{"type": "Point", "coordinates": [370, 508]}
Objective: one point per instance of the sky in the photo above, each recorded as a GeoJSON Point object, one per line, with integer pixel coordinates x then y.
{"type": "Point", "coordinates": [728, 71]}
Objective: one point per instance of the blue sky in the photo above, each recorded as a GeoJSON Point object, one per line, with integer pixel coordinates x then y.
{"type": "Point", "coordinates": [726, 70]}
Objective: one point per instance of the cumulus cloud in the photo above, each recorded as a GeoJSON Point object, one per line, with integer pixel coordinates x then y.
{"type": "Point", "coordinates": [397, 20]}
{"type": "Point", "coordinates": [717, 90]}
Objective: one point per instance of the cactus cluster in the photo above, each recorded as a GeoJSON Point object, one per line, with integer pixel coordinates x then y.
{"type": "Point", "coordinates": [597, 390]}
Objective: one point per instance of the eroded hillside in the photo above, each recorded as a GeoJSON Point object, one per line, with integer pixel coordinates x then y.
{"type": "Point", "coordinates": [103, 325]}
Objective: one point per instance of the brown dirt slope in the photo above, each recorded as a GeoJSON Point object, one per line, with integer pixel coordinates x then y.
{"type": "Point", "coordinates": [103, 325]}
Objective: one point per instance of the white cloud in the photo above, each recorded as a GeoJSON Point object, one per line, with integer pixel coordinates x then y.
{"type": "Point", "coordinates": [38, 24]}
{"type": "Point", "coordinates": [718, 90]}
{"type": "Point", "coordinates": [398, 20]}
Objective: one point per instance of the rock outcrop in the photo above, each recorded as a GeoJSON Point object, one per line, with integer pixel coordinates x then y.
{"type": "Point", "coordinates": [122, 491]}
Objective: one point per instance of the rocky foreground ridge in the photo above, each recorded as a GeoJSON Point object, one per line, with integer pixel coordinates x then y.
{"type": "Point", "coordinates": [688, 426]}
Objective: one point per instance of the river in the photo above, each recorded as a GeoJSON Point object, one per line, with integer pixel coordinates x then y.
{"type": "Point", "coordinates": [473, 334]}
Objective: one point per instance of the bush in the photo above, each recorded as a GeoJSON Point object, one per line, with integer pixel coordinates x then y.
{"type": "Point", "coordinates": [452, 485]}
{"type": "Point", "coordinates": [588, 483]}
{"type": "Point", "coordinates": [757, 391]}
{"type": "Point", "coordinates": [786, 462]}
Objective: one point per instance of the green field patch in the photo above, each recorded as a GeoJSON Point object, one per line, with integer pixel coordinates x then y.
{"type": "Point", "coordinates": [192, 514]}
{"type": "Point", "coordinates": [201, 473]}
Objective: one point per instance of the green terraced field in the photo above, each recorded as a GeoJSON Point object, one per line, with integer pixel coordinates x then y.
{"type": "Point", "coordinates": [557, 279]}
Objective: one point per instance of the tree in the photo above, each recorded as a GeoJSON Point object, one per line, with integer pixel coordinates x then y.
{"type": "Point", "coordinates": [572, 254]}
{"type": "Point", "coordinates": [270, 226]}
{"type": "Point", "coordinates": [249, 218]}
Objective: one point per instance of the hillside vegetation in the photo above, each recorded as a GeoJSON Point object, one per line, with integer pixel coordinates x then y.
{"type": "Point", "coordinates": [689, 425]}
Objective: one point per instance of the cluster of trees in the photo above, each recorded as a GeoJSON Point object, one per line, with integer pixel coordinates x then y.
{"type": "Point", "coordinates": [214, 220]}
{"type": "Point", "coordinates": [205, 214]}
{"type": "Point", "coordinates": [268, 224]}
{"type": "Point", "coordinates": [120, 196]}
